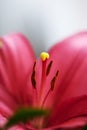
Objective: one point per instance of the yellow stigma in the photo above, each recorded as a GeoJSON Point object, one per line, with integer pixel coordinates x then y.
{"type": "Point", "coordinates": [44, 56]}
{"type": "Point", "coordinates": [1, 43]}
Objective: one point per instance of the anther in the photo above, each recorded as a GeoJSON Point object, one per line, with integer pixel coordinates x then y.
{"type": "Point", "coordinates": [57, 73]}
{"type": "Point", "coordinates": [53, 80]}
{"type": "Point", "coordinates": [33, 80]}
{"type": "Point", "coordinates": [49, 68]}
{"type": "Point", "coordinates": [34, 65]}
{"type": "Point", "coordinates": [44, 56]}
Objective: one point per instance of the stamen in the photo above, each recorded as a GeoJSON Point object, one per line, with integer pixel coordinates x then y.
{"type": "Point", "coordinates": [53, 80]}
{"type": "Point", "coordinates": [1, 44]}
{"type": "Point", "coordinates": [50, 89]}
{"type": "Point", "coordinates": [33, 80]}
{"type": "Point", "coordinates": [44, 56]}
{"type": "Point", "coordinates": [48, 68]}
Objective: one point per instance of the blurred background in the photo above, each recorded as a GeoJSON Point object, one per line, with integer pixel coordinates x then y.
{"type": "Point", "coordinates": [44, 22]}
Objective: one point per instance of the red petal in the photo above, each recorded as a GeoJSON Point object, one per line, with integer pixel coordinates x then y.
{"type": "Point", "coordinates": [16, 62]}
{"type": "Point", "coordinates": [70, 58]}
{"type": "Point", "coordinates": [70, 113]}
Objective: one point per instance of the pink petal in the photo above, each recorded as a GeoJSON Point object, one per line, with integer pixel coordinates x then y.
{"type": "Point", "coordinates": [70, 58]}
{"type": "Point", "coordinates": [3, 121]}
{"type": "Point", "coordinates": [16, 62]}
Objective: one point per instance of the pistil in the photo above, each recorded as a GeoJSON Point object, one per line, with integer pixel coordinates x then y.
{"type": "Point", "coordinates": [44, 57]}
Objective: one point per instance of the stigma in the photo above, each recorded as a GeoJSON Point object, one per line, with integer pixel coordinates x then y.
{"type": "Point", "coordinates": [44, 56]}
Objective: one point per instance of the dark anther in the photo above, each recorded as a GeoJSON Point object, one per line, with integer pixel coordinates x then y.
{"type": "Point", "coordinates": [53, 80]}
{"type": "Point", "coordinates": [34, 65]}
{"type": "Point", "coordinates": [49, 67]}
{"type": "Point", "coordinates": [33, 80]}
{"type": "Point", "coordinates": [57, 73]}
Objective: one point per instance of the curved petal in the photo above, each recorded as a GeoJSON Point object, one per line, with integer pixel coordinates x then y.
{"type": "Point", "coordinates": [17, 128]}
{"type": "Point", "coordinates": [16, 62]}
{"type": "Point", "coordinates": [70, 113]}
{"type": "Point", "coordinates": [3, 121]}
{"type": "Point", "coordinates": [21, 127]}
{"type": "Point", "coordinates": [70, 58]}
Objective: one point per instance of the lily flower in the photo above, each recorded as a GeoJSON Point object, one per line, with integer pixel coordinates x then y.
{"type": "Point", "coordinates": [56, 81]}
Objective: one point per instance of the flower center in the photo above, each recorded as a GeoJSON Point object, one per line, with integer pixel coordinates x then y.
{"type": "Point", "coordinates": [45, 72]}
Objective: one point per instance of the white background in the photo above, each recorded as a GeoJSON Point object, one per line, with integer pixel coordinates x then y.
{"type": "Point", "coordinates": [44, 22]}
